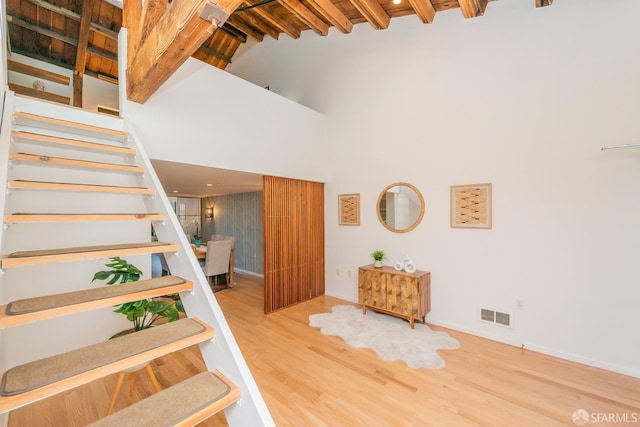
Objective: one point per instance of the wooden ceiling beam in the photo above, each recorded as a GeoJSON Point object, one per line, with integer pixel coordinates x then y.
{"type": "Point", "coordinates": [306, 16]}
{"type": "Point", "coordinates": [81, 51]}
{"type": "Point", "coordinates": [282, 26]}
{"type": "Point", "coordinates": [543, 3]}
{"type": "Point", "coordinates": [241, 25]}
{"type": "Point", "coordinates": [24, 90]}
{"type": "Point", "coordinates": [482, 6]}
{"type": "Point", "coordinates": [44, 31]}
{"type": "Point", "coordinates": [233, 32]}
{"type": "Point", "coordinates": [373, 13]}
{"type": "Point", "coordinates": [332, 14]}
{"type": "Point", "coordinates": [103, 77]}
{"type": "Point", "coordinates": [102, 53]}
{"type": "Point", "coordinates": [424, 9]}
{"type": "Point", "coordinates": [176, 36]}
{"type": "Point", "coordinates": [215, 53]}
{"type": "Point", "coordinates": [49, 33]}
{"type": "Point", "coordinates": [152, 11]}
{"type": "Point", "coordinates": [42, 58]}
{"type": "Point", "coordinates": [468, 8]}
{"type": "Point", "coordinates": [131, 16]}
{"type": "Point", "coordinates": [110, 79]}
{"type": "Point", "coordinates": [75, 17]}
{"type": "Point", "coordinates": [257, 23]}
{"type": "Point", "coordinates": [38, 73]}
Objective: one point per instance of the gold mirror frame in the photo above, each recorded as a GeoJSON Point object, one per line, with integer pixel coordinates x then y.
{"type": "Point", "coordinates": [383, 194]}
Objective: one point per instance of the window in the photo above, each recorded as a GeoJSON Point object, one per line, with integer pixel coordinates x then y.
{"type": "Point", "coordinates": [188, 211]}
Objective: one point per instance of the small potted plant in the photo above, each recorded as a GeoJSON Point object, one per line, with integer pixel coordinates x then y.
{"type": "Point", "coordinates": [143, 313]}
{"type": "Point", "coordinates": [378, 256]}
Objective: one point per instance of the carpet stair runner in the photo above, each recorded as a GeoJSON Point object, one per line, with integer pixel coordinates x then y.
{"type": "Point", "coordinates": [184, 404]}
{"type": "Point", "coordinates": [48, 256]}
{"type": "Point", "coordinates": [46, 307]}
{"type": "Point", "coordinates": [32, 381]}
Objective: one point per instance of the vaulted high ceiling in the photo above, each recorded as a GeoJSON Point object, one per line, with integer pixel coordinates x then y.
{"type": "Point", "coordinates": [82, 35]}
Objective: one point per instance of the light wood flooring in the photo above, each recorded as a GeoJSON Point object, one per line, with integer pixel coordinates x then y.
{"type": "Point", "coordinates": [308, 379]}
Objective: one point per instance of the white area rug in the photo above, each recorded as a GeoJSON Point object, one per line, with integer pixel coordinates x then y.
{"type": "Point", "coordinates": [390, 337]}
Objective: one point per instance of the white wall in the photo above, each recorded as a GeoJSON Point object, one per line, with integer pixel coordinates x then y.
{"type": "Point", "coordinates": [205, 116]}
{"type": "Point", "coordinates": [98, 92]}
{"type": "Point", "coordinates": [523, 98]}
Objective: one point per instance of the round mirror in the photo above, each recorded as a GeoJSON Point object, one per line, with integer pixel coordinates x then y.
{"type": "Point", "coordinates": [400, 207]}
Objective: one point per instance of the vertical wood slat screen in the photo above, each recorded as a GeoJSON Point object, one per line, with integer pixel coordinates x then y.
{"type": "Point", "coordinates": [293, 241]}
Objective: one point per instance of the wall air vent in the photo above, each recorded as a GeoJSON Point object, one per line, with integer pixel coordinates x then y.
{"type": "Point", "coordinates": [487, 315]}
{"type": "Point", "coordinates": [495, 317]}
{"type": "Point", "coordinates": [503, 319]}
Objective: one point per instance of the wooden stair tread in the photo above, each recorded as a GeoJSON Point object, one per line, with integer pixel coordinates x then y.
{"type": "Point", "coordinates": [184, 404]}
{"type": "Point", "coordinates": [49, 306]}
{"type": "Point", "coordinates": [36, 380]}
{"type": "Point", "coordinates": [65, 186]}
{"type": "Point", "coordinates": [62, 217]}
{"type": "Point", "coordinates": [62, 161]}
{"type": "Point", "coordinates": [79, 253]}
{"type": "Point", "coordinates": [21, 136]}
{"type": "Point", "coordinates": [23, 118]}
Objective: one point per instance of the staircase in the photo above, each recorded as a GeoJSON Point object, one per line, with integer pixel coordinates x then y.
{"type": "Point", "coordinates": [79, 189]}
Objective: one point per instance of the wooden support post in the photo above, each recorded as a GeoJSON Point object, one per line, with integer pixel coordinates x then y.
{"type": "Point", "coordinates": [81, 51]}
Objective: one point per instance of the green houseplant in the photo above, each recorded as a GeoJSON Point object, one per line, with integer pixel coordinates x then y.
{"type": "Point", "coordinates": [143, 313]}
{"type": "Point", "coordinates": [378, 255]}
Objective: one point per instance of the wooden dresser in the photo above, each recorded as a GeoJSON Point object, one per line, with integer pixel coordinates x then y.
{"type": "Point", "coordinates": [397, 293]}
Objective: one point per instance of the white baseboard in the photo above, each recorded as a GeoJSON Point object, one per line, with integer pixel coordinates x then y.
{"type": "Point", "coordinates": [239, 270]}
{"type": "Point", "coordinates": [541, 349]}
{"type": "Point", "coordinates": [342, 297]}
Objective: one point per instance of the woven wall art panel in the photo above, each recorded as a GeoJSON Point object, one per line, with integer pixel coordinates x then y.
{"type": "Point", "coordinates": [471, 206]}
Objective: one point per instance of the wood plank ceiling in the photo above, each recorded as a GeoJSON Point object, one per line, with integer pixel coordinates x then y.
{"type": "Point", "coordinates": [81, 35]}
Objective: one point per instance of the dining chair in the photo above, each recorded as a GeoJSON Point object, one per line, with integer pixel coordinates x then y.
{"type": "Point", "coordinates": [217, 260]}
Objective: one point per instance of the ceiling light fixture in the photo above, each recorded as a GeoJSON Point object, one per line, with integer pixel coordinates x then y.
{"type": "Point", "coordinates": [208, 212]}
{"type": "Point", "coordinates": [397, 1]}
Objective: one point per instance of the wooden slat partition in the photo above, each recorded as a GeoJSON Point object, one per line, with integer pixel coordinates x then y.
{"type": "Point", "coordinates": [293, 240]}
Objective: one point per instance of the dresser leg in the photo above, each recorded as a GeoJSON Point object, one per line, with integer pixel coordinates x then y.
{"type": "Point", "coordinates": [364, 310]}
{"type": "Point", "coordinates": [411, 323]}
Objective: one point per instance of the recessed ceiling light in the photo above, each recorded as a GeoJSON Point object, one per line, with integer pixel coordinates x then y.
{"type": "Point", "coordinates": [209, 185]}
{"type": "Point", "coordinates": [175, 191]}
{"type": "Point", "coordinates": [396, 1]}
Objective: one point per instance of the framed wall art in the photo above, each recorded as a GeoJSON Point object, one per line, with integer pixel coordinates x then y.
{"type": "Point", "coordinates": [349, 209]}
{"type": "Point", "coordinates": [471, 206]}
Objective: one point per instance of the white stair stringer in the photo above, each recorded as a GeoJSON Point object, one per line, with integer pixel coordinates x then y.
{"type": "Point", "coordinates": [221, 353]}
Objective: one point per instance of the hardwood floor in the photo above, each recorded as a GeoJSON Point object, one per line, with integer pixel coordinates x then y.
{"type": "Point", "coordinates": [309, 379]}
